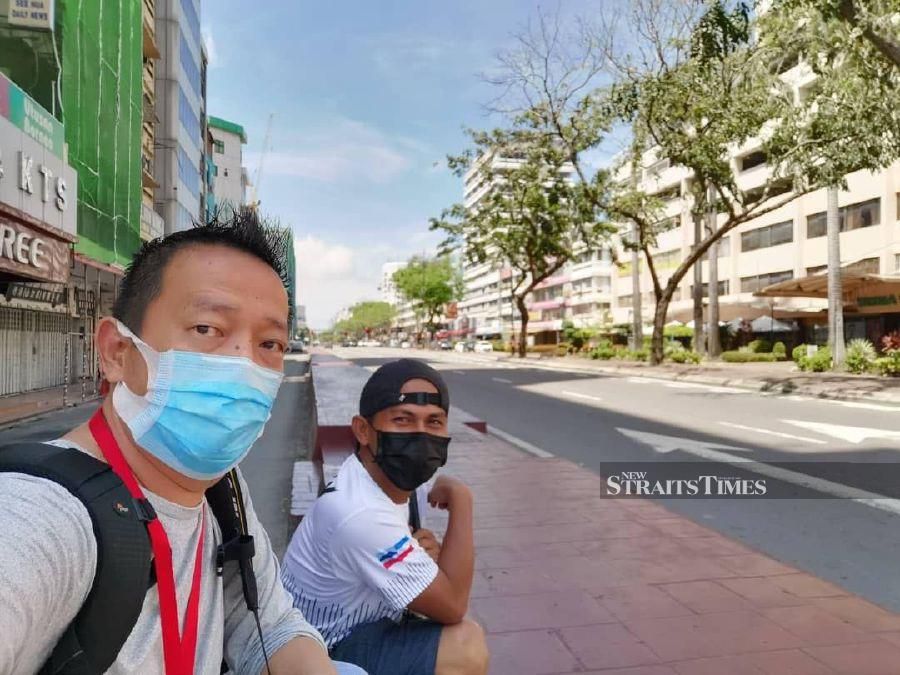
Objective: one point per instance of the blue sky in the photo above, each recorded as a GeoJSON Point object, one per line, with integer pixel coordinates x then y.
{"type": "Point", "coordinates": [368, 98]}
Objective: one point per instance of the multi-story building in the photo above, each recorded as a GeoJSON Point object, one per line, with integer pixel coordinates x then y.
{"type": "Point", "coordinates": [579, 292]}
{"type": "Point", "coordinates": [181, 134]}
{"type": "Point", "coordinates": [152, 224]}
{"type": "Point", "coordinates": [64, 119]}
{"type": "Point", "coordinates": [786, 244]}
{"type": "Point", "coordinates": [388, 288]}
{"type": "Point", "coordinates": [228, 139]}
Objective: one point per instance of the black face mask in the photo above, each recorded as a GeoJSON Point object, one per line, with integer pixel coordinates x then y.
{"type": "Point", "coordinates": [410, 459]}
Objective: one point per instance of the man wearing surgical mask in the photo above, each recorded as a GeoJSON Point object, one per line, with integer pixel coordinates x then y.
{"type": "Point", "coordinates": [391, 600]}
{"type": "Point", "coordinates": [194, 354]}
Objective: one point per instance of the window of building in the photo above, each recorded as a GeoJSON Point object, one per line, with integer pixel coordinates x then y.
{"type": "Point", "coordinates": [852, 217]}
{"type": "Point", "coordinates": [219, 147]}
{"type": "Point", "coordinates": [897, 263]}
{"type": "Point", "coordinates": [752, 160]}
{"type": "Point", "coordinates": [625, 300]}
{"type": "Point", "coordinates": [778, 188]}
{"type": "Point", "coordinates": [667, 259]}
{"type": "Point", "coordinates": [602, 284]}
{"type": "Point", "coordinates": [188, 173]}
{"type": "Point", "coordinates": [226, 173]}
{"type": "Point", "coordinates": [188, 118]}
{"type": "Point", "coordinates": [723, 286]}
{"type": "Point", "coordinates": [760, 281]}
{"type": "Point", "coordinates": [583, 257]}
{"type": "Point", "coordinates": [189, 64]}
{"type": "Point", "coordinates": [669, 194]}
{"type": "Point", "coordinates": [816, 269]}
{"type": "Point", "coordinates": [771, 235]}
{"type": "Point", "coordinates": [865, 266]}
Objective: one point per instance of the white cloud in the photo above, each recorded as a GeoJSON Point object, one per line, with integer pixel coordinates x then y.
{"type": "Point", "coordinates": [331, 276]}
{"type": "Point", "coordinates": [347, 150]}
{"type": "Point", "coordinates": [209, 42]}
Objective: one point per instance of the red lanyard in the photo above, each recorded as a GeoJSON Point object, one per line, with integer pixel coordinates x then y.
{"type": "Point", "coordinates": [178, 650]}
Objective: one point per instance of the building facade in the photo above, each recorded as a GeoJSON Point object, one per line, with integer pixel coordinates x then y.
{"type": "Point", "coordinates": [180, 103]}
{"type": "Point", "coordinates": [228, 139]}
{"type": "Point", "coordinates": [788, 243]}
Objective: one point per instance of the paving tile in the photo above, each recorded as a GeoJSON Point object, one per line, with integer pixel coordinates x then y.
{"type": "Point", "coordinates": [754, 565]}
{"type": "Point", "coordinates": [678, 527]}
{"type": "Point", "coordinates": [816, 626]}
{"type": "Point", "coordinates": [807, 586]}
{"type": "Point", "coordinates": [637, 670]}
{"type": "Point", "coordinates": [714, 545]}
{"type": "Point", "coordinates": [608, 645]}
{"type": "Point", "coordinates": [789, 662]}
{"type": "Point", "coordinates": [762, 592]}
{"type": "Point", "coordinates": [533, 652]}
{"type": "Point", "coordinates": [525, 580]}
{"type": "Point", "coordinates": [870, 658]}
{"type": "Point", "coordinates": [857, 612]}
{"type": "Point", "coordinates": [717, 634]}
{"type": "Point", "coordinates": [705, 596]}
{"type": "Point", "coordinates": [641, 602]}
{"type": "Point", "coordinates": [512, 555]}
{"type": "Point", "coordinates": [720, 665]}
{"type": "Point", "coordinates": [540, 610]}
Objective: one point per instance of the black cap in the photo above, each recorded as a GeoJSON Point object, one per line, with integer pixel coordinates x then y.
{"type": "Point", "coordinates": [383, 388]}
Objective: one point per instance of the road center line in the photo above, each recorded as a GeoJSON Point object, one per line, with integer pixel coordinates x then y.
{"type": "Point", "coordinates": [769, 432]}
{"type": "Point", "coordinates": [502, 380]}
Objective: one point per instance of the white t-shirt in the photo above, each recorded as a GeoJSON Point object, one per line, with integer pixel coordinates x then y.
{"type": "Point", "coordinates": [353, 560]}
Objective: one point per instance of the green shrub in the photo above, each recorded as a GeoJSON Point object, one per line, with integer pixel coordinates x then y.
{"type": "Point", "coordinates": [760, 346]}
{"type": "Point", "coordinates": [565, 348]}
{"type": "Point", "coordinates": [604, 351]}
{"type": "Point", "coordinates": [798, 353]}
{"type": "Point", "coordinates": [632, 355]}
{"type": "Point", "coordinates": [748, 357]}
{"type": "Point", "coordinates": [685, 356]}
{"type": "Point", "coordinates": [678, 332]}
{"type": "Point", "coordinates": [861, 356]}
{"type": "Point", "coordinates": [780, 351]}
{"type": "Point", "coordinates": [889, 365]}
{"type": "Point", "coordinates": [499, 345]}
{"type": "Point", "coordinates": [819, 362]}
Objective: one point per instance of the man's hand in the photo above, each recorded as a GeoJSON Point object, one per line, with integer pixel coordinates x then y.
{"type": "Point", "coordinates": [448, 491]}
{"type": "Point", "coordinates": [429, 542]}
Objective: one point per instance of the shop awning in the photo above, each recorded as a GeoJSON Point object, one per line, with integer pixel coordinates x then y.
{"type": "Point", "coordinates": [816, 285]}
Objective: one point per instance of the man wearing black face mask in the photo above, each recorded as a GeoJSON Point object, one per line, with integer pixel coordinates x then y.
{"type": "Point", "coordinates": [355, 568]}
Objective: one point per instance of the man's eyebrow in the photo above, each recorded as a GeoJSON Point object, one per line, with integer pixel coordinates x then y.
{"type": "Point", "coordinates": [213, 305]}
{"type": "Point", "coordinates": [280, 324]}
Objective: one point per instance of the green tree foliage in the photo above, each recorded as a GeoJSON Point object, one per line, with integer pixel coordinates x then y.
{"type": "Point", "coordinates": [429, 284]}
{"type": "Point", "coordinates": [372, 316]}
{"type": "Point", "coordinates": [532, 217]}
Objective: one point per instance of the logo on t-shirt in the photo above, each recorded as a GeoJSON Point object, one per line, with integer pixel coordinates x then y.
{"type": "Point", "coordinates": [395, 554]}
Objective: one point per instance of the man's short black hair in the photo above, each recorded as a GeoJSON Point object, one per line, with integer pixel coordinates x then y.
{"type": "Point", "coordinates": [241, 230]}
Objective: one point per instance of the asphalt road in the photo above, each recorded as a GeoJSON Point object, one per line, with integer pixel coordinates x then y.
{"type": "Point", "coordinates": [834, 458]}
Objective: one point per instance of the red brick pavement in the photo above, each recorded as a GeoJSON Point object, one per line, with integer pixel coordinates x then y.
{"type": "Point", "coordinates": [567, 582]}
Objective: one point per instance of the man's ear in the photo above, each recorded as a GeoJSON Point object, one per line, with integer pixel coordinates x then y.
{"type": "Point", "coordinates": [360, 426]}
{"type": "Point", "coordinates": [113, 349]}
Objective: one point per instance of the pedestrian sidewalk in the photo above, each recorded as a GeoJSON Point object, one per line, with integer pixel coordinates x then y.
{"type": "Point", "coordinates": [22, 406]}
{"type": "Point", "coordinates": [568, 582]}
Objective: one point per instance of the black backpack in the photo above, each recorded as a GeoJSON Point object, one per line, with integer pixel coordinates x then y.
{"type": "Point", "coordinates": [92, 641]}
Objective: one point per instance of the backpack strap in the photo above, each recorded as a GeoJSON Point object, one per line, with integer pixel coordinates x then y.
{"type": "Point", "coordinates": [415, 520]}
{"type": "Point", "coordinates": [226, 500]}
{"type": "Point", "coordinates": [94, 638]}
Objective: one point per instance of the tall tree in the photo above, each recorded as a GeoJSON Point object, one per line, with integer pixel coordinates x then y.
{"type": "Point", "coordinates": [696, 85]}
{"type": "Point", "coordinates": [365, 318]}
{"type": "Point", "coordinates": [532, 217]}
{"type": "Point", "coordinates": [428, 284]}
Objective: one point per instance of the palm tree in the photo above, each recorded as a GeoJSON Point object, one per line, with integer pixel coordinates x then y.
{"type": "Point", "coordinates": [835, 293]}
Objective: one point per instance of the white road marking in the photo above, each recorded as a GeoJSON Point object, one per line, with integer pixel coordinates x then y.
{"type": "Point", "coordinates": [519, 443]}
{"type": "Point", "coordinates": [769, 432]}
{"type": "Point", "coordinates": [859, 405]}
{"type": "Point", "coordinates": [577, 394]}
{"type": "Point", "coordinates": [702, 449]}
{"type": "Point", "coordinates": [503, 380]}
{"type": "Point", "coordinates": [850, 434]}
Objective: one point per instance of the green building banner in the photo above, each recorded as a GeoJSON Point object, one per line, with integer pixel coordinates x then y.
{"type": "Point", "coordinates": [24, 113]}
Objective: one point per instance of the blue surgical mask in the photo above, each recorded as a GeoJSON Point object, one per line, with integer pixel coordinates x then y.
{"type": "Point", "coordinates": [201, 413]}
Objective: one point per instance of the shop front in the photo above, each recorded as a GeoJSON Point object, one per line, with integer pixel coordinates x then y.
{"type": "Point", "coordinates": [37, 231]}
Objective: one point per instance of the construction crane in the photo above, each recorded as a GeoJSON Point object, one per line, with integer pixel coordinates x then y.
{"type": "Point", "coordinates": [254, 203]}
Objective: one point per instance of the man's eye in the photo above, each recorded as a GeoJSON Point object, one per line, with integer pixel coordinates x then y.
{"type": "Point", "coordinates": [273, 346]}
{"type": "Point", "coordinates": [203, 329]}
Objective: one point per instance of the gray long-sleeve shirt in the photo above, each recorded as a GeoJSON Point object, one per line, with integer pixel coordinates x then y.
{"type": "Point", "coordinates": [48, 557]}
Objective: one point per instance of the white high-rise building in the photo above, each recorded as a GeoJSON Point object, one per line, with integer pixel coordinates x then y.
{"type": "Point", "coordinates": [228, 141]}
{"type": "Point", "coordinates": [786, 244]}
{"type": "Point", "coordinates": [580, 292]}
{"type": "Point", "coordinates": [180, 106]}
{"type": "Point", "coordinates": [387, 286]}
